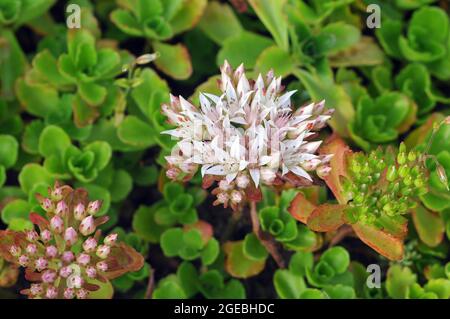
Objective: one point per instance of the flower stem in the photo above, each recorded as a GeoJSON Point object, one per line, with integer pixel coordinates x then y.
{"type": "Point", "coordinates": [150, 285]}
{"type": "Point", "coordinates": [265, 238]}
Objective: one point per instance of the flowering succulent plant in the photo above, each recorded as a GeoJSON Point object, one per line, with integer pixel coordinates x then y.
{"type": "Point", "coordinates": [245, 137]}
{"type": "Point", "coordinates": [66, 257]}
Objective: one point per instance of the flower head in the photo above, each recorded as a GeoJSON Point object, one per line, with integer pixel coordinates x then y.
{"type": "Point", "coordinates": [247, 136]}
{"type": "Point", "coordinates": [48, 256]}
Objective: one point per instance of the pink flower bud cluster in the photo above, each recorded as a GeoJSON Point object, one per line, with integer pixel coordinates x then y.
{"type": "Point", "coordinates": [67, 253]}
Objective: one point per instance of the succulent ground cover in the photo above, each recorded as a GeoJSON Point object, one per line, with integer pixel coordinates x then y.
{"type": "Point", "coordinates": [224, 149]}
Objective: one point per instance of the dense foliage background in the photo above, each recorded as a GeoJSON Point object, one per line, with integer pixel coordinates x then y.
{"type": "Point", "coordinates": [76, 106]}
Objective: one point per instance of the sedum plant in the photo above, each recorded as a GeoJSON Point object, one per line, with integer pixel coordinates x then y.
{"type": "Point", "coordinates": [222, 182]}
{"type": "Point", "coordinates": [67, 258]}
{"type": "Point", "coordinates": [374, 191]}
{"type": "Point", "coordinates": [157, 21]}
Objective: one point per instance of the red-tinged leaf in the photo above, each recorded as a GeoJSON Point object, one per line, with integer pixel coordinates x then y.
{"type": "Point", "coordinates": [101, 220]}
{"type": "Point", "coordinates": [123, 259]}
{"type": "Point", "coordinates": [204, 228]}
{"type": "Point", "coordinates": [382, 242]}
{"type": "Point", "coordinates": [38, 220]}
{"type": "Point", "coordinates": [301, 208]}
{"type": "Point", "coordinates": [9, 238]}
{"type": "Point", "coordinates": [32, 276]}
{"type": "Point", "coordinates": [340, 150]}
{"type": "Point", "coordinates": [326, 217]}
{"type": "Point", "coordinates": [429, 225]}
{"type": "Point", "coordinates": [208, 181]}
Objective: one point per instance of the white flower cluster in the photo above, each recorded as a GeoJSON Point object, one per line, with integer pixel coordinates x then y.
{"type": "Point", "coordinates": [248, 131]}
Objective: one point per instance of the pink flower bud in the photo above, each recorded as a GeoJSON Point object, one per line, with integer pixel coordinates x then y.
{"type": "Point", "coordinates": [51, 251]}
{"type": "Point", "coordinates": [46, 235]}
{"type": "Point", "coordinates": [79, 212]}
{"type": "Point", "coordinates": [15, 250]}
{"type": "Point", "coordinates": [173, 173]}
{"type": "Point", "coordinates": [311, 164]}
{"type": "Point", "coordinates": [91, 272]}
{"type": "Point", "coordinates": [102, 266]}
{"type": "Point", "coordinates": [48, 276]}
{"type": "Point", "coordinates": [47, 205]}
{"type": "Point", "coordinates": [267, 175]}
{"type": "Point", "coordinates": [57, 193]}
{"type": "Point", "coordinates": [57, 224]}
{"type": "Point", "coordinates": [224, 185]}
{"type": "Point", "coordinates": [242, 181]}
{"type": "Point", "coordinates": [236, 197]}
{"type": "Point", "coordinates": [222, 198]}
{"type": "Point", "coordinates": [75, 281]}
{"type": "Point", "coordinates": [323, 171]}
{"type": "Point", "coordinates": [65, 271]}
{"type": "Point", "coordinates": [24, 260]}
{"type": "Point", "coordinates": [70, 236]}
{"type": "Point", "coordinates": [94, 207]}
{"type": "Point", "coordinates": [69, 293]}
{"type": "Point", "coordinates": [83, 259]}
{"type": "Point", "coordinates": [110, 240]}
{"type": "Point", "coordinates": [87, 226]}
{"type": "Point", "coordinates": [82, 293]}
{"type": "Point", "coordinates": [61, 208]}
{"type": "Point", "coordinates": [36, 289]}
{"type": "Point", "coordinates": [32, 235]}
{"type": "Point", "coordinates": [89, 245]}
{"type": "Point", "coordinates": [68, 256]}
{"type": "Point", "coordinates": [41, 263]}
{"type": "Point", "coordinates": [51, 292]}
{"type": "Point", "coordinates": [103, 251]}
{"type": "Point", "coordinates": [31, 249]}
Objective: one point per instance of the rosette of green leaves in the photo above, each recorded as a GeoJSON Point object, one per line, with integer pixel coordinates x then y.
{"type": "Point", "coordinates": [438, 197]}
{"type": "Point", "coordinates": [279, 224]}
{"type": "Point", "coordinates": [160, 20]}
{"type": "Point", "coordinates": [401, 283]}
{"type": "Point", "coordinates": [414, 80]}
{"type": "Point", "coordinates": [381, 120]}
{"type": "Point", "coordinates": [189, 244]}
{"type": "Point", "coordinates": [427, 40]}
{"type": "Point", "coordinates": [14, 13]}
{"type": "Point", "coordinates": [179, 205]}
{"type": "Point", "coordinates": [83, 78]}
{"type": "Point", "coordinates": [126, 282]}
{"type": "Point", "coordinates": [328, 278]}
{"type": "Point", "coordinates": [141, 128]}
{"type": "Point", "coordinates": [277, 221]}
{"type": "Point", "coordinates": [65, 160]}
{"type": "Point", "coordinates": [187, 282]}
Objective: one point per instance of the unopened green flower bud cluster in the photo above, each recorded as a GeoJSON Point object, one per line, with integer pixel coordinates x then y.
{"type": "Point", "coordinates": [383, 184]}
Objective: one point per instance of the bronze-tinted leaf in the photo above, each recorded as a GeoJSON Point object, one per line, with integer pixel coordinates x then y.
{"type": "Point", "coordinates": [326, 217]}
{"type": "Point", "coordinates": [123, 259]}
{"type": "Point", "coordinates": [382, 242]}
{"type": "Point", "coordinates": [340, 150]}
{"type": "Point", "coordinates": [301, 208]}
